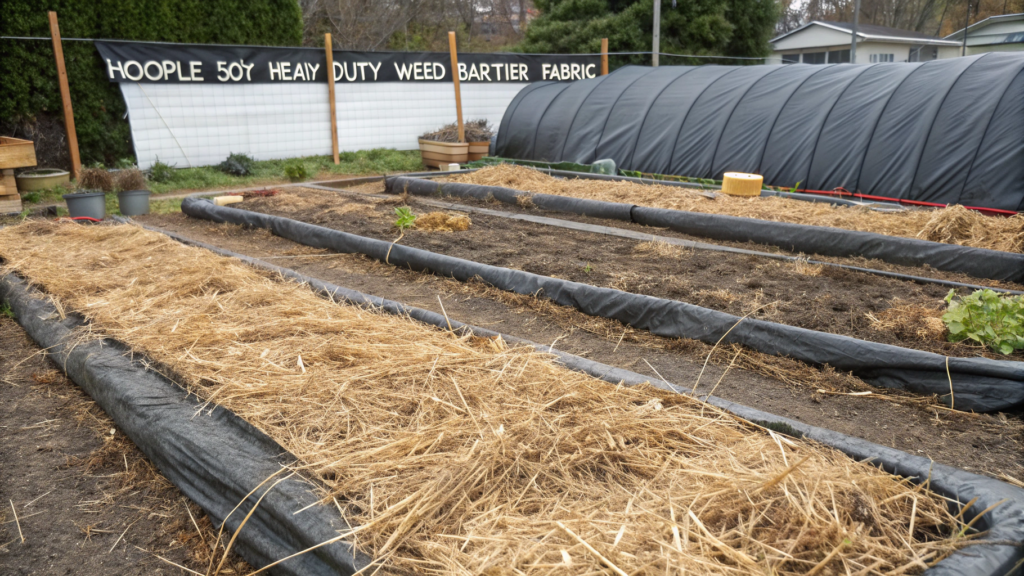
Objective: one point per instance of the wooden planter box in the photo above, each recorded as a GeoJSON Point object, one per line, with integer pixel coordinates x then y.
{"type": "Point", "coordinates": [16, 153]}
{"type": "Point", "coordinates": [439, 154]}
{"type": "Point", "coordinates": [478, 150]}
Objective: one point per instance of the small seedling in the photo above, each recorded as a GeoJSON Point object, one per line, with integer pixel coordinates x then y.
{"type": "Point", "coordinates": [405, 218]}
{"type": "Point", "coordinates": [795, 188]}
{"type": "Point", "coordinates": [588, 268]}
{"type": "Point", "coordinates": [5, 310]}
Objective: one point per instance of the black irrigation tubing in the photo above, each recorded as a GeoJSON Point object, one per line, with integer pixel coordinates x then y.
{"type": "Point", "coordinates": [633, 235]}
{"type": "Point", "coordinates": [977, 262]}
{"type": "Point", "coordinates": [979, 384]}
{"type": "Point", "coordinates": [999, 553]}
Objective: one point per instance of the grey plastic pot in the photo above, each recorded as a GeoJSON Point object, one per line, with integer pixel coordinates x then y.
{"type": "Point", "coordinates": [133, 202]}
{"type": "Point", "coordinates": [88, 205]}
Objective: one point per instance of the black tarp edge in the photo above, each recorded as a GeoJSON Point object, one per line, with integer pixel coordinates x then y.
{"type": "Point", "coordinates": [624, 233]}
{"type": "Point", "coordinates": [212, 456]}
{"type": "Point", "coordinates": [977, 384]}
{"type": "Point", "coordinates": [976, 262]}
{"type": "Point", "coordinates": [1005, 523]}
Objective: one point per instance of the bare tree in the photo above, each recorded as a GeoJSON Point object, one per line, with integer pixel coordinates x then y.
{"type": "Point", "coordinates": [361, 24]}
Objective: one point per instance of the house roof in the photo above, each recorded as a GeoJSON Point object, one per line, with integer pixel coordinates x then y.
{"type": "Point", "coordinates": [873, 32]}
{"type": "Point", "coordinates": [959, 34]}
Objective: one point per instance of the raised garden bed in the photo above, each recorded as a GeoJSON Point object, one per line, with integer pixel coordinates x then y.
{"type": "Point", "coordinates": [817, 240]}
{"type": "Point", "coordinates": [404, 493]}
{"type": "Point", "coordinates": [813, 297]}
{"type": "Point", "coordinates": [980, 384]}
{"type": "Point", "coordinates": [954, 225]}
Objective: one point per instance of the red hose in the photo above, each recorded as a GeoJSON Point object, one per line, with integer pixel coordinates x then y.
{"type": "Point", "coordinates": [842, 192]}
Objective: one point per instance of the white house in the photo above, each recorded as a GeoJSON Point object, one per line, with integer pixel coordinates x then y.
{"type": "Point", "coordinates": [829, 42]}
{"type": "Point", "coordinates": [995, 34]}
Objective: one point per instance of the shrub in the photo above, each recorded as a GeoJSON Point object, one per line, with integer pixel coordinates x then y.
{"type": "Point", "coordinates": [237, 165]}
{"type": "Point", "coordinates": [988, 318]}
{"type": "Point", "coordinates": [161, 172]}
{"type": "Point", "coordinates": [28, 89]}
{"type": "Point", "coordinates": [296, 171]}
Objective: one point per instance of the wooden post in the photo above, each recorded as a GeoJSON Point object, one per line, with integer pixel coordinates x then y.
{"type": "Point", "coordinates": [65, 95]}
{"type": "Point", "coordinates": [604, 56]}
{"type": "Point", "coordinates": [455, 79]}
{"type": "Point", "coordinates": [330, 93]}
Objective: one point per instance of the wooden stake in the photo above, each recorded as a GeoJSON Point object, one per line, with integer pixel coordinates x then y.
{"type": "Point", "coordinates": [604, 56]}
{"type": "Point", "coordinates": [330, 92]}
{"type": "Point", "coordinates": [65, 94]}
{"type": "Point", "coordinates": [455, 80]}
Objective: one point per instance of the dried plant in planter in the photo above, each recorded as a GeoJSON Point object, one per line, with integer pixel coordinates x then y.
{"type": "Point", "coordinates": [476, 131]}
{"type": "Point", "coordinates": [130, 179]}
{"type": "Point", "coordinates": [93, 179]}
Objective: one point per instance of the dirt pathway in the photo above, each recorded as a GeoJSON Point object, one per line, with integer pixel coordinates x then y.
{"type": "Point", "coordinates": [88, 502]}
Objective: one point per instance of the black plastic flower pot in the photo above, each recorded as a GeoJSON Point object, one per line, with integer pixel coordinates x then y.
{"type": "Point", "coordinates": [133, 202]}
{"type": "Point", "coordinates": [87, 205]}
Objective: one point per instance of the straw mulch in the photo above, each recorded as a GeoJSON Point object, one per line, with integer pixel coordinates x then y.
{"type": "Point", "coordinates": [953, 225]}
{"type": "Point", "coordinates": [459, 455]}
{"type": "Point", "coordinates": [441, 222]}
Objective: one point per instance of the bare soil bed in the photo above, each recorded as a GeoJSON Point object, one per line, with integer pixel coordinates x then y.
{"type": "Point", "coordinates": [953, 225]}
{"type": "Point", "coordinates": [463, 454]}
{"type": "Point", "coordinates": [988, 444]}
{"type": "Point", "coordinates": [88, 501]}
{"type": "Point", "coordinates": [821, 298]}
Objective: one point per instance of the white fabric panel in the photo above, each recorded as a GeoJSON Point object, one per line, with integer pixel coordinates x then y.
{"type": "Point", "coordinates": [200, 124]}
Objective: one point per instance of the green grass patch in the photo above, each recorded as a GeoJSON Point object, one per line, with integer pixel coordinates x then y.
{"type": "Point", "coordinates": [376, 161]}
{"type": "Point", "coordinates": [5, 310]}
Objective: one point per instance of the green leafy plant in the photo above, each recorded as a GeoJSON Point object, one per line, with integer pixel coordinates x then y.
{"type": "Point", "coordinates": [296, 171]}
{"type": "Point", "coordinates": [405, 218]}
{"type": "Point", "coordinates": [795, 188]}
{"type": "Point", "coordinates": [125, 163]}
{"type": "Point", "coordinates": [237, 165]}
{"type": "Point", "coordinates": [588, 268]}
{"type": "Point", "coordinates": [5, 310]}
{"type": "Point", "coordinates": [33, 197]}
{"type": "Point", "coordinates": [161, 172]}
{"type": "Point", "coordinates": [986, 317]}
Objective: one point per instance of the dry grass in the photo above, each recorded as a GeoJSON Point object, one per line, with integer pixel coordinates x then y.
{"type": "Point", "coordinates": [953, 225]}
{"type": "Point", "coordinates": [96, 179]}
{"type": "Point", "coordinates": [907, 320]}
{"type": "Point", "coordinates": [130, 179]}
{"type": "Point", "coordinates": [441, 222]}
{"type": "Point", "coordinates": [455, 455]}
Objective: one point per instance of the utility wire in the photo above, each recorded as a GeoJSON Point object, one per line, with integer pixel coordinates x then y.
{"type": "Point", "coordinates": [47, 38]}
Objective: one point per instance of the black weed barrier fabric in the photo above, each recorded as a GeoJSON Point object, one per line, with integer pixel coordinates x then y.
{"type": "Point", "coordinates": [976, 262]}
{"type": "Point", "coordinates": [214, 457]}
{"type": "Point", "coordinates": [1005, 523]}
{"type": "Point", "coordinates": [977, 383]}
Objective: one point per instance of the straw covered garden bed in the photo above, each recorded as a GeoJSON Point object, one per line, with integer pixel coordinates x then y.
{"type": "Point", "coordinates": [815, 297]}
{"type": "Point", "coordinates": [952, 225]}
{"type": "Point", "coordinates": [461, 455]}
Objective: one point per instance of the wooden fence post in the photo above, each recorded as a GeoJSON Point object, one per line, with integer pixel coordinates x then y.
{"type": "Point", "coordinates": [455, 79]}
{"type": "Point", "coordinates": [65, 95]}
{"type": "Point", "coordinates": [330, 93]}
{"type": "Point", "coordinates": [604, 56]}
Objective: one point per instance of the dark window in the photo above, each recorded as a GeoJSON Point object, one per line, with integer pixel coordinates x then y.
{"type": "Point", "coordinates": [839, 57]}
{"type": "Point", "coordinates": [790, 58]}
{"type": "Point", "coordinates": [814, 58]}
